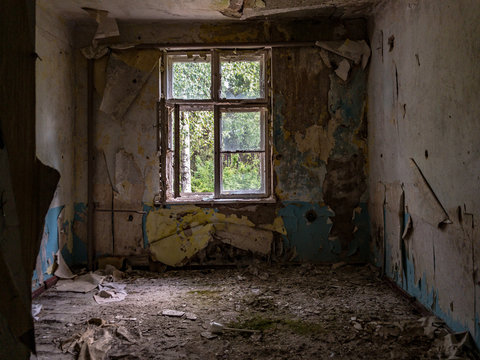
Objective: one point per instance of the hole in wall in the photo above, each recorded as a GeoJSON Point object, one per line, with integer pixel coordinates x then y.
{"type": "Point", "coordinates": [426, 154]}
{"type": "Point", "coordinates": [311, 215]}
{"type": "Point", "coordinates": [134, 81]}
{"type": "Point", "coordinates": [459, 214]}
{"type": "Point", "coordinates": [130, 217]}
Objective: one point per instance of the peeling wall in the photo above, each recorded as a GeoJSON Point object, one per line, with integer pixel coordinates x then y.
{"type": "Point", "coordinates": [55, 117]}
{"type": "Point", "coordinates": [319, 155]}
{"type": "Point", "coordinates": [424, 155]}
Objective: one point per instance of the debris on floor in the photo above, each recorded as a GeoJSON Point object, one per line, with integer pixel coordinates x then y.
{"type": "Point", "coordinates": [110, 292]}
{"type": "Point", "coordinates": [173, 313]}
{"type": "Point", "coordinates": [36, 308]}
{"type": "Point", "coordinates": [82, 284]}
{"type": "Point", "coordinates": [298, 312]}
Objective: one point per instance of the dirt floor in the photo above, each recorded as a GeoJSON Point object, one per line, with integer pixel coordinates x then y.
{"type": "Point", "coordinates": [295, 312]}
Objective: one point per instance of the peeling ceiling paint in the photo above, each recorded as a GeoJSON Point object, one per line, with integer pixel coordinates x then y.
{"type": "Point", "coordinates": [151, 10]}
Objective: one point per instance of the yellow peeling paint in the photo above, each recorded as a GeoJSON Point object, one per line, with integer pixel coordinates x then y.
{"type": "Point", "coordinates": [178, 233]}
{"type": "Point", "coordinates": [176, 249]}
{"type": "Point", "coordinates": [50, 269]}
{"type": "Point", "coordinates": [220, 4]}
{"type": "Point", "coordinates": [277, 226]}
{"type": "Point", "coordinates": [317, 139]}
{"type": "Point", "coordinates": [141, 150]}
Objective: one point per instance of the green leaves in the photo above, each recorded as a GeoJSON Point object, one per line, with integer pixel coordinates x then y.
{"type": "Point", "coordinates": [191, 80]}
{"type": "Point", "coordinates": [240, 80]}
{"type": "Point", "coordinates": [241, 131]}
{"type": "Point", "coordinates": [241, 172]}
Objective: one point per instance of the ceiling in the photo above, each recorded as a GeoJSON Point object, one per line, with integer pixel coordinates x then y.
{"type": "Point", "coordinates": [151, 10]}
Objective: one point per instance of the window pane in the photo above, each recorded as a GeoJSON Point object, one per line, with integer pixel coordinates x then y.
{"type": "Point", "coordinates": [196, 152]}
{"type": "Point", "coordinates": [190, 77]}
{"type": "Point", "coordinates": [241, 79]}
{"type": "Point", "coordinates": [242, 172]}
{"type": "Point", "coordinates": [241, 131]}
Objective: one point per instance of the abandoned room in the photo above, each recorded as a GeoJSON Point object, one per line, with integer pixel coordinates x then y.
{"type": "Point", "coordinates": [239, 179]}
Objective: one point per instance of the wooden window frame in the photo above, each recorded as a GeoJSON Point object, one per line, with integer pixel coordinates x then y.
{"type": "Point", "coordinates": [169, 115]}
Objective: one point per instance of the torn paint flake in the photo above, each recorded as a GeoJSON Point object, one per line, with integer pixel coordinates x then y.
{"type": "Point", "coordinates": [317, 140]}
{"type": "Point", "coordinates": [357, 51]}
{"type": "Point", "coordinates": [107, 26]}
{"type": "Point", "coordinates": [245, 238]}
{"type": "Point", "coordinates": [343, 70]}
{"type": "Point", "coordinates": [422, 201]}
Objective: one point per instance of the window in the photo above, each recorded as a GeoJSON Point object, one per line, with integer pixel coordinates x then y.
{"type": "Point", "coordinates": [216, 128]}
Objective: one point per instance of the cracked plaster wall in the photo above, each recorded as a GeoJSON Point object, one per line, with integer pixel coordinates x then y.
{"type": "Point", "coordinates": [55, 118]}
{"type": "Point", "coordinates": [319, 159]}
{"type": "Point", "coordinates": [424, 153]}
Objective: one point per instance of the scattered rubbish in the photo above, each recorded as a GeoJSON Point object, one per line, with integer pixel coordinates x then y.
{"type": "Point", "coordinates": [120, 317]}
{"type": "Point", "coordinates": [122, 332]}
{"type": "Point", "coordinates": [343, 70]}
{"type": "Point", "coordinates": [96, 321]}
{"type": "Point", "coordinates": [62, 271]}
{"type": "Point", "coordinates": [82, 284]}
{"type": "Point", "coordinates": [357, 325]}
{"type": "Point", "coordinates": [217, 328]}
{"type": "Point", "coordinates": [169, 333]}
{"type": "Point", "coordinates": [338, 265]}
{"type": "Point", "coordinates": [110, 292]}
{"type": "Point", "coordinates": [173, 313]}
{"type": "Point", "coordinates": [36, 308]}
{"type": "Point", "coordinates": [113, 272]}
{"type": "Point", "coordinates": [92, 344]}
{"type": "Point", "coordinates": [348, 309]}
{"type": "Point", "coordinates": [208, 335]}
{"type": "Point", "coordinates": [460, 346]}
{"type": "Point", "coordinates": [96, 346]}
{"type": "Point", "coordinates": [191, 316]}
{"type": "Point", "coordinates": [256, 271]}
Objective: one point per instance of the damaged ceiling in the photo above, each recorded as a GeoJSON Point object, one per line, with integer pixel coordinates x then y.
{"type": "Point", "coordinates": [147, 10]}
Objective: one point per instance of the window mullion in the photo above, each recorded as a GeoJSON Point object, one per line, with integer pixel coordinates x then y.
{"type": "Point", "coordinates": [215, 75]}
{"type": "Point", "coordinates": [176, 181]}
{"type": "Point", "coordinates": [266, 156]}
{"type": "Point", "coordinates": [217, 177]}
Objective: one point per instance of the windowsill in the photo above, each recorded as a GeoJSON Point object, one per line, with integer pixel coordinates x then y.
{"type": "Point", "coordinates": [203, 201]}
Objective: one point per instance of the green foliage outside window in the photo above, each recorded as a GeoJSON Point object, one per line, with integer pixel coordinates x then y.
{"type": "Point", "coordinates": [240, 130]}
